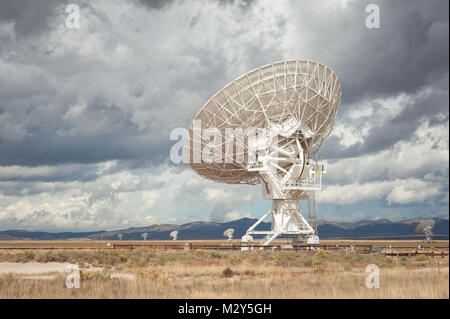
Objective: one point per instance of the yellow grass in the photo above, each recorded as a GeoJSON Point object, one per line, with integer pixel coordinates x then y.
{"type": "Point", "coordinates": [255, 274]}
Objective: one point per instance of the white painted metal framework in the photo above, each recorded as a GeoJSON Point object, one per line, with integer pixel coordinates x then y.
{"type": "Point", "coordinates": [278, 115]}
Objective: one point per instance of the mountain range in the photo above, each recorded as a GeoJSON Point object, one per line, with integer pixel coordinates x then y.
{"type": "Point", "coordinates": [365, 229]}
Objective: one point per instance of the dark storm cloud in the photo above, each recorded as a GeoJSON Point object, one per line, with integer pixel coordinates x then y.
{"type": "Point", "coordinates": [66, 173]}
{"type": "Point", "coordinates": [161, 4]}
{"type": "Point", "coordinates": [29, 17]}
{"type": "Point", "coordinates": [156, 4]}
{"type": "Point", "coordinates": [402, 126]}
{"type": "Point", "coordinates": [408, 51]}
{"type": "Point", "coordinates": [102, 133]}
{"type": "Point", "coordinates": [384, 135]}
{"type": "Point", "coordinates": [45, 148]}
{"type": "Point", "coordinates": [242, 4]}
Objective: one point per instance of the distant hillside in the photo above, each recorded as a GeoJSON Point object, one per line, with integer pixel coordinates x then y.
{"type": "Point", "coordinates": [380, 228]}
{"type": "Point", "coordinates": [24, 234]}
{"type": "Point", "coordinates": [366, 229]}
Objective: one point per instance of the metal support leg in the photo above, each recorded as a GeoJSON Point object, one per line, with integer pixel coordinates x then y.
{"type": "Point", "coordinates": [259, 221]}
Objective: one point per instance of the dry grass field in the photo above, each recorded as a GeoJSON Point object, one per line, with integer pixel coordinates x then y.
{"type": "Point", "coordinates": [144, 273]}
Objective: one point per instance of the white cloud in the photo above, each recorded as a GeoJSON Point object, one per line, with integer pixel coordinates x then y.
{"type": "Point", "coordinates": [75, 111]}
{"type": "Point", "coordinates": [399, 191]}
{"type": "Point", "coordinates": [149, 198]}
{"type": "Point", "coordinates": [426, 152]}
{"type": "Point", "coordinates": [236, 214]}
{"type": "Point", "coordinates": [414, 192]}
{"type": "Point", "coordinates": [225, 196]}
{"type": "Point", "coordinates": [352, 193]}
{"type": "Point", "coordinates": [119, 199]}
{"type": "Point", "coordinates": [348, 217]}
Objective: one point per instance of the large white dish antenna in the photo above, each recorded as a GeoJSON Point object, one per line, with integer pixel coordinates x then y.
{"type": "Point", "coordinates": [229, 233]}
{"type": "Point", "coordinates": [174, 235]}
{"type": "Point", "coordinates": [425, 227]}
{"type": "Point", "coordinates": [298, 96]}
{"type": "Point", "coordinates": [266, 127]}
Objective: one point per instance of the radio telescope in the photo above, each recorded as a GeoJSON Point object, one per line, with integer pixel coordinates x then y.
{"type": "Point", "coordinates": [424, 228]}
{"type": "Point", "coordinates": [229, 233]}
{"type": "Point", "coordinates": [174, 235]}
{"type": "Point", "coordinates": [266, 128]}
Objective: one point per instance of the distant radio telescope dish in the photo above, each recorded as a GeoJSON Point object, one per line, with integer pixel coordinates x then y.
{"type": "Point", "coordinates": [229, 233]}
{"type": "Point", "coordinates": [424, 228]}
{"type": "Point", "coordinates": [266, 128]}
{"type": "Point", "coordinates": [174, 235]}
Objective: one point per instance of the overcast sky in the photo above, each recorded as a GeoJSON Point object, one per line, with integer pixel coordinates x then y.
{"type": "Point", "coordinates": [86, 113]}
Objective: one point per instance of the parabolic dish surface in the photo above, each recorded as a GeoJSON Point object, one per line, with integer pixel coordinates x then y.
{"type": "Point", "coordinates": [269, 96]}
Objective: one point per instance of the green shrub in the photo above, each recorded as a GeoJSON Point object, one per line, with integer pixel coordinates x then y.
{"type": "Point", "coordinates": [62, 256]}
{"type": "Point", "coordinates": [404, 261]}
{"type": "Point", "coordinates": [95, 276]}
{"type": "Point", "coordinates": [235, 259]}
{"type": "Point", "coordinates": [40, 257]}
{"type": "Point", "coordinates": [319, 260]}
{"type": "Point", "coordinates": [421, 258]}
{"type": "Point", "coordinates": [29, 255]}
{"type": "Point", "coordinates": [307, 262]}
{"type": "Point", "coordinates": [323, 254]}
{"type": "Point", "coordinates": [200, 252]}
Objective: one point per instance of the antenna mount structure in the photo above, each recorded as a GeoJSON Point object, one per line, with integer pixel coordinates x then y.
{"type": "Point", "coordinates": [425, 228]}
